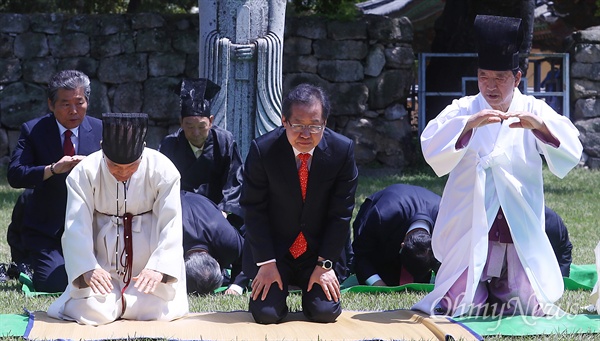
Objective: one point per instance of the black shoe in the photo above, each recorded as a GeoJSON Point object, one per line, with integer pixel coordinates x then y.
{"type": "Point", "coordinates": [25, 268]}
{"type": "Point", "coordinates": [15, 270]}
{"type": "Point", "coordinates": [3, 274]}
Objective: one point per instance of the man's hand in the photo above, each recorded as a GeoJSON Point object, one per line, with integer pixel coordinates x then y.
{"type": "Point", "coordinates": [267, 274]}
{"type": "Point", "coordinates": [147, 280]}
{"type": "Point", "coordinates": [327, 280]}
{"type": "Point", "coordinates": [66, 163]}
{"type": "Point", "coordinates": [99, 280]}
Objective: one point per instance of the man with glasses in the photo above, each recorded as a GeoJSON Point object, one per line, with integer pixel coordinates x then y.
{"type": "Point", "coordinates": [298, 195]}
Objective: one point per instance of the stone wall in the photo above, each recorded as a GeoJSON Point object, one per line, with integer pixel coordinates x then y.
{"type": "Point", "coordinates": [136, 63]}
{"type": "Point", "coordinates": [585, 91]}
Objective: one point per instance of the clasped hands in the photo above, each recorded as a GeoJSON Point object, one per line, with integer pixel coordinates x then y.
{"type": "Point", "coordinates": [268, 274]}
{"type": "Point", "coordinates": [100, 281]}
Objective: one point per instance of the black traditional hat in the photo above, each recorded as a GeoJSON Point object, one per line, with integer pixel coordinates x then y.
{"type": "Point", "coordinates": [123, 136]}
{"type": "Point", "coordinates": [195, 95]}
{"type": "Point", "coordinates": [499, 40]}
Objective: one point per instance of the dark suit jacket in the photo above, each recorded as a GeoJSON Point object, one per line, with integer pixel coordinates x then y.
{"type": "Point", "coordinates": [272, 199]}
{"type": "Point", "coordinates": [559, 239]}
{"type": "Point", "coordinates": [380, 227]}
{"type": "Point", "coordinates": [38, 146]}
{"type": "Point", "coordinates": [216, 174]}
{"type": "Point", "coordinates": [204, 227]}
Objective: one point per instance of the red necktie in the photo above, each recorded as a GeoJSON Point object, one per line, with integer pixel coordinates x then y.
{"type": "Point", "coordinates": [68, 147]}
{"type": "Point", "coordinates": [299, 246]}
{"type": "Point", "coordinates": [405, 276]}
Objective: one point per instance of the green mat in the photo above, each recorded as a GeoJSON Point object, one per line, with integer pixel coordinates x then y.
{"type": "Point", "coordinates": [529, 325]}
{"type": "Point", "coordinates": [13, 325]}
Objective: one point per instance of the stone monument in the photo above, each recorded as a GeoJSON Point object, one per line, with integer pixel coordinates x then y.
{"type": "Point", "coordinates": [241, 49]}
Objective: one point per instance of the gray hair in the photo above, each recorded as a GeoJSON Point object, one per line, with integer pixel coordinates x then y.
{"type": "Point", "coordinates": [306, 94]}
{"type": "Point", "coordinates": [203, 273]}
{"type": "Point", "coordinates": [68, 80]}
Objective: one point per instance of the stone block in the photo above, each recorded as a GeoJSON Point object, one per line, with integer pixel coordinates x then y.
{"type": "Point", "coordinates": [82, 23]}
{"type": "Point", "coordinates": [399, 57]}
{"type": "Point", "coordinates": [589, 35]}
{"type": "Point", "coordinates": [586, 108]}
{"type": "Point", "coordinates": [13, 23]}
{"type": "Point", "coordinates": [21, 102]}
{"type": "Point", "coordinates": [310, 27]}
{"type": "Point", "coordinates": [297, 46]}
{"type": "Point", "coordinates": [127, 97]}
{"type": "Point", "coordinates": [186, 41]}
{"type": "Point", "coordinates": [392, 86]}
{"type": "Point", "coordinates": [375, 61]}
{"type": "Point", "coordinates": [166, 64]}
{"type": "Point", "coordinates": [10, 70]}
{"type": "Point", "coordinates": [30, 45]}
{"type": "Point", "coordinates": [344, 30]}
{"type": "Point", "coordinates": [348, 99]}
{"type": "Point", "coordinates": [341, 70]}
{"type": "Point", "coordinates": [155, 136]}
{"type": "Point", "coordinates": [48, 23]}
{"type": "Point", "coordinates": [290, 80]}
{"type": "Point", "coordinates": [583, 88]}
{"type": "Point", "coordinates": [69, 45]}
{"type": "Point", "coordinates": [112, 45]}
{"type": "Point", "coordinates": [192, 63]}
{"type": "Point", "coordinates": [587, 53]}
{"type": "Point", "coordinates": [109, 24]}
{"type": "Point", "coordinates": [161, 99]}
{"type": "Point", "coordinates": [589, 134]}
{"type": "Point", "coordinates": [292, 64]}
{"type": "Point", "coordinates": [124, 68]}
{"type": "Point", "coordinates": [152, 40]}
{"type": "Point", "coordinates": [87, 65]}
{"type": "Point", "coordinates": [39, 70]}
{"type": "Point", "coordinates": [99, 102]}
{"type": "Point", "coordinates": [344, 49]}
{"type": "Point", "coordinates": [147, 20]}
{"type": "Point", "coordinates": [6, 46]}
{"type": "Point", "coordinates": [388, 30]}
{"type": "Point", "coordinates": [586, 70]}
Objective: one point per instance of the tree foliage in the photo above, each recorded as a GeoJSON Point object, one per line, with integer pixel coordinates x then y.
{"type": "Point", "coordinates": [96, 6]}
{"type": "Point", "coordinates": [333, 9]}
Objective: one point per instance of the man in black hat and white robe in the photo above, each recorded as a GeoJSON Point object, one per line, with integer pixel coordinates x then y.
{"type": "Point", "coordinates": [206, 155]}
{"type": "Point", "coordinates": [123, 232]}
{"type": "Point", "coordinates": [489, 234]}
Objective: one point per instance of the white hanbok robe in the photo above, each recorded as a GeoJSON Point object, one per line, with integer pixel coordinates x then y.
{"type": "Point", "coordinates": [499, 166]}
{"type": "Point", "coordinates": [95, 199]}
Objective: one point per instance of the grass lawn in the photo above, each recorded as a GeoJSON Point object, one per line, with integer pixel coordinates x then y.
{"type": "Point", "coordinates": [575, 198]}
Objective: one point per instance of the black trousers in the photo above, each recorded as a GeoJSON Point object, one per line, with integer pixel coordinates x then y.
{"type": "Point", "coordinates": [315, 305]}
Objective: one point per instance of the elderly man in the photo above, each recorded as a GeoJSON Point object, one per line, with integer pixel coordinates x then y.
{"type": "Point", "coordinates": [489, 234]}
{"type": "Point", "coordinates": [206, 155]}
{"type": "Point", "coordinates": [298, 193]}
{"type": "Point", "coordinates": [123, 232]}
{"type": "Point", "coordinates": [47, 149]}
{"type": "Point", "coordinates": [392, 236]}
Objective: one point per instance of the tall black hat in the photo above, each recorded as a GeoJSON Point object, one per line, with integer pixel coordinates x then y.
{"type": "Point", "coordinates": [123, 136]}
{"type": "Point", "coordinates": [195, 95]}
{"type": "Point", "coordinates": [499, 40]}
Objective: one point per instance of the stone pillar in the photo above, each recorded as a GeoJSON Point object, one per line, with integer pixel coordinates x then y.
{"type": "Point", "coordinates": [241, 49]}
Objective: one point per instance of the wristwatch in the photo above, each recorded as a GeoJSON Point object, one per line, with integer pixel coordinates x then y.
{"type": "Point", "coordinates": [325, 264]}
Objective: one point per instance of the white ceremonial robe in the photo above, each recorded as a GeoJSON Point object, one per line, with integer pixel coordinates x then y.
{"type": "Point", "coordinates": [90, 240]}
{"type": "Point", "coordinates": [499, 166]}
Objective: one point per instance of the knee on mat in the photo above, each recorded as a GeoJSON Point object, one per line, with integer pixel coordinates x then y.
{"type": "Point", "coordinates": [267, 315]}
{"type": "Point", "coordinates": [322, 313]}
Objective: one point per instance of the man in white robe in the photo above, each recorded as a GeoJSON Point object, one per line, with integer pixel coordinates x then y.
{"type": "Point", "coordinates": [123, 232]}
{"type": "Point", "coordinates": [489, 234]}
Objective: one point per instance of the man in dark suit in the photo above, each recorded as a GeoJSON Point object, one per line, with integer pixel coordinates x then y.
{"type": "Point", "coordinates": [206, 155]}
{"type": "Point", "coordinates": [559, 239]}
{"type": "Point", "coordinates": [392, 236]}
{"type": "Point", "coordinates": [48, 148]}
{"type": "Point", "coordinates": [211, 244]}
{"type": "Point", "coordinates": [298, 209]}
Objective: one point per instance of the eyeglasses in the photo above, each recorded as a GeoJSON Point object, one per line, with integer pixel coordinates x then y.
{"type": "Point", "coordinates": [299, 128]}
